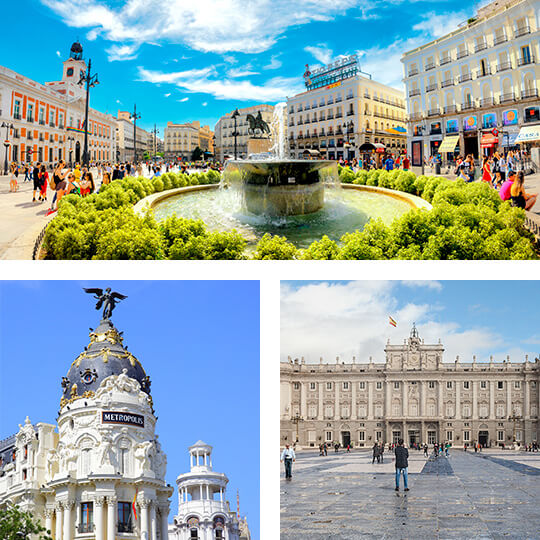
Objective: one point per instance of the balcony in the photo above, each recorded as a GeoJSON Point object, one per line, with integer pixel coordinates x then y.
{"type": "Point", "coordinates": [29, 136]}
{"type": "Point", "coordinates": [448, 82]}
{"type": "Point", "coordinates": [330, 117]}
{"type": "Point", "coordinates": [522, 31]}
{"type": "Point", "coordinates": [350, 113]}
{"type": "Point", "coordinates": [435, 131]}
{"type": "Point", "coordinates": [452, 130]}
{"type": "Point", "coordinates": [525, 61]}
{"type": "Point", "coordinates": [412, 73]}
{"type": "Point", "coordinates": [61, 126]}
{"type": "Point", "coordinates": [51, 124]}
{"type": "Point", "coordinates": [529, 93]}
{"type": "Point", "coordinates": [434, 112]}
{"type": "Point", "coordinates": [338, 100]}
{"type": "Point", "coordinates": [367, 96]}
{"type": "Point", "coordinates": [17, 116]}
{"type": "Point", "coordinates": [445, 60]}
{"type": "Point", "coordinates": [505, 98]}
{"type": "Point", "coordinates": [486, 73]}
{"type": "Point", "coordinates": [125, 528]}
{"type": "Point", "coordinates": [504, 66]}
{"type": "Point", "coordinates": [462, 54]}
{"type": "Point", "coordinates": [467, 106]}
{"type": "Point", "coordinates": [41, 122]}
{"type": "Point", "coordinates": [415, 117]}
{"type": "Point", "coordinates": [465, 77]}
{"type": "Point", "coordinates": [430, 66]}
{"type": "Point", "coordinates": [41, 138]}
{"type": "Point", "coordinates": [450, 109]}
{"type": "Point", "coordinates": [480, 47]}
{"type": "Point", "coordinates": [85, 528]}
{"type": "Point", "coordinates": [499, 39]}
{"type": "Point", "coordinates": [431, 87]}
{"type": "Point", "coordinates": [487, 102]}
{"type": "Point", "coordinates": [414, 92]}
{"type": "Point", "coordinates": [351, 96]}
{"type": "Point", "coordinates": [30, 119]}
{"type": "Point", "coordinates": [16, 134]}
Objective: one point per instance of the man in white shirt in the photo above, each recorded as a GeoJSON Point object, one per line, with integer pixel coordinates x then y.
{"type": "Point", "coordinates": [288, 456]}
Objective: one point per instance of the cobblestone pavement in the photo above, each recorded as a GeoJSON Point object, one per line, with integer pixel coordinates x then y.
{"type": "Point", "coordinates": [490, 495]}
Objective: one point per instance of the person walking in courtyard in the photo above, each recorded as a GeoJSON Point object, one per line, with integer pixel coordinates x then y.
{"type": "Point", "coordinates": [426, 450]}
{"type": "Point", "coordinates": [375, 453]}
{"type": "Point", "coordinates": [381, 452]}
{"type": "Point", "coordinates": [288, 457]}
{"type": "Point", "coordinates": [402, 465]}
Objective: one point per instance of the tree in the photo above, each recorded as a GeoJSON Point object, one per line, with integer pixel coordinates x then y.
{"type": "Point", "coordinates": [197, 154]}
{"type": "Point", "coordinates": [16, 524]}
{"type": "Point", "coordinates": [146, 155]}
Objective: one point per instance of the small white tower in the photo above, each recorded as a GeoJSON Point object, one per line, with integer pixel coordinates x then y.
{"type": "Point", "coordinates": [203, 511]}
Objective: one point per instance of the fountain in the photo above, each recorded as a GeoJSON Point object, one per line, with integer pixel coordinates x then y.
{"type": "Point", "coordinates": [278, 186]}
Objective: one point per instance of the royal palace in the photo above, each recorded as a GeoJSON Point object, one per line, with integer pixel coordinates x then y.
{"type": "Point", "coordinates": [414, 395]}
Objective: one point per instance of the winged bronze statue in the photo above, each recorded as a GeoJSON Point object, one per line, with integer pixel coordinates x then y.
{"type": "Point", "coordinates": [107, 300]}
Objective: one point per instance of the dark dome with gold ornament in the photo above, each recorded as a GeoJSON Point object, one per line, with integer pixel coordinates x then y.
{"type": "Point", "coordinates": [105, 356]}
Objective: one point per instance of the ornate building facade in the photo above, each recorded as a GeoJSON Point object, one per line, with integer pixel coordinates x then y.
{"type": "Point", "coordinates": [48, 119]}
{"type": "Point", "coordinates": [414, 395]}
{"type": "Point", "coordinates": [203, 511]}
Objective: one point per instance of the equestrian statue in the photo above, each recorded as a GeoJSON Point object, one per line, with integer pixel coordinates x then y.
{"type": "Point", "coordinates": [257, 126]}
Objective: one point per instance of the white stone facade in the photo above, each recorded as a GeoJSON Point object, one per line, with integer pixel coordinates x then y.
{"type": "Point", "coordinates": [480, 77]}
{"type": "Point", "coordinates": [203, 510]}
{"type": "Point", "coordinates": [414, 395]}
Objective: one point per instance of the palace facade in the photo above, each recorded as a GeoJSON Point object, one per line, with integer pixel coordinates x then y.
{"type": "Point", "coordinates": [414, 395]}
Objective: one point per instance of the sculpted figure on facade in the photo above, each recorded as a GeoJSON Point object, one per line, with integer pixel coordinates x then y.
{"type": "Point", "coordinates": [68, 458]}
{"type": "Point", "coordinates": [160, 462]}
{"type": "Point", "coordinates": [107, 454]}
{"type": "Point", "coordinates": [118, 383]}
{"type": "Point", "coordinates": [52, 463]}
{"type": "Point", "coordinates": [144, 453]}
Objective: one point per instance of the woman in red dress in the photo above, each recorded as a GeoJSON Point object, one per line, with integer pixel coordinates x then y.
{"type": "Point", "coordinates": [486, 169]}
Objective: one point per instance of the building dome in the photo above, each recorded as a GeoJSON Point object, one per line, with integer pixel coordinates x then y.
{"type": "Point", "coordinates": [104, 356]}
{"type": "Point", "coordinates": [76, 51]}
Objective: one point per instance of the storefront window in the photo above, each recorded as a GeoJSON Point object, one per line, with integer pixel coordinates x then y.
{"type": "Point", "coordinates": [510, 118]}
{"type": "Point", "coordinates": [489, 121]}
{"type": "Point", "coordinates": [532, 114]}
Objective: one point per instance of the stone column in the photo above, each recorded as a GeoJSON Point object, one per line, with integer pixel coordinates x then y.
{"type": "Point", "coordinates": [442, 412]}
{"type": "Point", "coordinates": [405, 400]}
{"type": "Point", "coordinates": [68, 507]}
{"type": "Point", "coordinates": [526, 400]}
{"type": "Point", "coordinates": [508, 398]}
{"type": "Point", "coordinates": [98, 517]}
{"type": "Point", "coordinates": [59, 521]}
{"type": "Point", "coordinates": [320, 409]}
{"type": "Point", "coordinates": [337, 412]}
{"type": "Point", "coordinates": [153, 522]}
{"type": "Point", "coordinates": [458, 400]}
{"type": "Point", "coordinates": [144, 504]}
{"type": "Point", "coordinates": [370, 400]}
{"type": "Point", "coordinates": [164, 515]}
{"type": "Point", "coordinates": [48, 513]}
{"type": "Point", "coordinates": [303, 412]}
{"type": "Point", "coordinates": [388, 400]}
{"type": "Point", "coordinates": [475, 400]}
{"type": "Point", "coordinates": [111, 517]}
{"type": "Point", "coordinates": [422, 404]}
{"type": "Point", "coordinates": [492, 400]}
{"type": "Point", "coordinates": [353, 400]}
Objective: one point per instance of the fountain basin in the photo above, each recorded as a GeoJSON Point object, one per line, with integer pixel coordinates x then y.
{"type": "Point", "coordinates": [281, 187]}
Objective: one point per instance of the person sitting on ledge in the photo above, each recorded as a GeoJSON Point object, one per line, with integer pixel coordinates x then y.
{"type": "Point", "coordinates": [519, 197]}
{"type": "Point", "coordinates": [504, 192]}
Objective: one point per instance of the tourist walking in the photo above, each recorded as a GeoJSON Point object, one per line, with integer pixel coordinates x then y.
{"type": "Point", "coordinates": [13, 174]}
{"type": "Point", "coordinates": [35, 177]}
{"type": "Point", "coordinates": [426, 450]}
{"type": "Point", "coordinates": [288, 457]}
{"type": "Point", "coordinates": [43, 181]}
{"type": "Point", "coordinates": [59, 184]}
{"type": "Point", "coordinates": [402, 464]}
{"type": "Point", "coordinates": [486, 169]}
{"type": "Point", "coordinates": [375, 454]}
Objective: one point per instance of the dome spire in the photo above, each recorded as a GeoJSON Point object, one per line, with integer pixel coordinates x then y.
{"type": "Point", "coordinates": [76, 51]}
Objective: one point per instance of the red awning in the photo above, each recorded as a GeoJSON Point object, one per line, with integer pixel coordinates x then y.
{"type": "Point", "coordinates": [489, 140]}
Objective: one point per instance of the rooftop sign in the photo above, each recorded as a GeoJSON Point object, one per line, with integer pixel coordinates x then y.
{"type": "Point", "coordinates": [331, 74]}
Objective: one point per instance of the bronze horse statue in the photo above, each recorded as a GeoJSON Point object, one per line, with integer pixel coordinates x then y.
{"type": "Point", "coordinates": [256, 123]}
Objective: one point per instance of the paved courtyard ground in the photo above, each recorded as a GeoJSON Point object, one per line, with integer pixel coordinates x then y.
{"type": "Point", "coordinates": [491, 495]}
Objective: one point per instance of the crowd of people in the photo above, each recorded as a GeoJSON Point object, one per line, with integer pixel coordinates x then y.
{"type": "Point", "coordinates": [386, 161]}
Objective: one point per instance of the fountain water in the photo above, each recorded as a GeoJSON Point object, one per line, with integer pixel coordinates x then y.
{"type": "Point", "coordinates": [279, 186]}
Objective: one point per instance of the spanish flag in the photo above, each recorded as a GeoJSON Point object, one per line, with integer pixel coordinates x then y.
{"type": "Point", "coordinates": [133, 504]}
{"type": "Point", "coordinates": [392, 322]}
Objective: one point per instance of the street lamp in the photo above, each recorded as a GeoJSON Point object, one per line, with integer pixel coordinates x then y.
{"type": "Point", "coordinates": [349, 126]}
{"type": "Point", "coordinates": [296, 419]}
{"type": "Point", "coordinates": [6, 144]}
{"type": "Point", "coordinates": [155, 131]}
{"type": "Point", "coordinates": [134, 116]}
{"type": "Point", "coordinates": [91, 81]}
{"type": "Point", "coordinates": [514, 418]}
{"type": "Point", "coordinates": [70, 139]}
{"type": "Point", "coordinates": [235, 115]}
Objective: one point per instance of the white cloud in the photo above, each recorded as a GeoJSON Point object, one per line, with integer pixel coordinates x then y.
{"type": "Point", "coordinates": [205, 104]}
{"type": "Point", "coordinates": [206, 81]}
{"type": "Point", "coordinates": [167, 95]}
{"type": "Point", "coordinates": [321, 53]}
{"type": "Point", "coordinates": [232, 26]}
{"type": "Point", "coordinates": [122, 52]}
{"type": "Point", "coordinates": [183, 100]}
{"type": "Point", "coordinates": [429, 284]}
{"type": "Point", "coordinates": [236, 73]}
{"type": "Point", "coordinates": [119, 102]}
{"type": "Point", "coordinates": [274, 63]}
{"type": "Point", "coordinates": [351, 319]}
{"type": "Point", "coordinates": [59, 54]}
{"type": "Point", "coordinates": [439, 24]}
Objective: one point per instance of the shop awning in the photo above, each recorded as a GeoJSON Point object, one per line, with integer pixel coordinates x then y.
{"type": "Point", "coordinates": [449, 143]}
{"type": "Point", "coordinates": [528, 134]}
{"type": "Point", "coordinates": [488, 140]}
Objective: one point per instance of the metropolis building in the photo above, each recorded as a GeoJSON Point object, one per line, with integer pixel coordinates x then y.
{"type": "Point", "coordinates": [414, 395]}
{"type": "Point", "coordinates": [99, 474]}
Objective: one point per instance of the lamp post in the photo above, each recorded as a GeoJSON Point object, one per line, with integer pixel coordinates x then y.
{"type": "Point", "coordinates": [514, 418]}
{"type": "Point", "coordinates": [134, 116]}
{"type": "Point", "coordinates": [70, 139]}
{"type": "Point", "coordinates": [155, 131]}
{"type": "Point", "coordinates": [6, 144]}
{"type": "Point", "coordinates": [349, 126]}
{"type": "Point", "coordinates": [235, 115]}
{"type": "Point", "coordinates": [91, 81]}
{"type": "Point", "coordinates": [296, 419]}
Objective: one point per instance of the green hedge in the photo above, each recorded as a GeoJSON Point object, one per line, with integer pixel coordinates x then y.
{"type": "Point", "coordinates": [468, 221]}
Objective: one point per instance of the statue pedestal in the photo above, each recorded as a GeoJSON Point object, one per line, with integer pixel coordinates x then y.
{"type": "Point", "coordinates": [258, 146]}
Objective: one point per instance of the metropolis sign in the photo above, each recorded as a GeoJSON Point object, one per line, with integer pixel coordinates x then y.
{"type": "Point", "coordinates": [110, 417]}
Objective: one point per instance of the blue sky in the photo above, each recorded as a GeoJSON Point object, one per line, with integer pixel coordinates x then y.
{"type": "Point", "coordinates": [479, 318]}
{"type": "Point", "coordinates": [183, 61]}
{"type": "Point", "coordinates": [198, 341]}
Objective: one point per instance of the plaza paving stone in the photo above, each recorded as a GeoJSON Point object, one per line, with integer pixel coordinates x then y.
{"type": "Point", "coordinates": [489, 495]}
